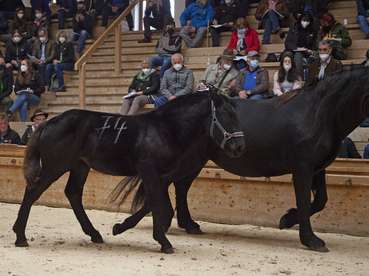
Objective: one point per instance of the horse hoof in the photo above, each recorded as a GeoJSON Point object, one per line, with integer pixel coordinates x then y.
{"type": "Point", "coordinates": [168, 250]}
{"type": "Point", "coordinates": [322, 249]}
{"type": "Point", "coordinates": [22, 243]}
{"type": "Point", "coordinates": [287, 220]}
{"type": "Point", "coordinates": [194, 231]}
{"type": "Point", "coordinates": [97, 238]}
{"type": "Point", "coordinates": [118, 229]}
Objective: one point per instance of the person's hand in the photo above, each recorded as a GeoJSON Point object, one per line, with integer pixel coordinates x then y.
{"type": "Point", "coordinates": [8, 65]}
{"type": "Point", "coordinates": [139, 93]}
{"type": "Point", "coordinates": [14, 62]}
{"type": "Point", "coordinates": [114, 9]}
{"type": "Point", "coordinates": [242, 94]}
{"type": "Point", "coordinates": [301, 49]}
{"type": "Point", "coordinates": [171, 98]}
{"type": "Point", "coordinates": [242, 53]}
{"type": "Point", "coordinates": [230, 24]}
{"type": "Point", "coordinates": [55, 61]}
{"type": "Point", "coordinates": [201, 86]}
{"type": "Point", "coordinates": [215, 22]}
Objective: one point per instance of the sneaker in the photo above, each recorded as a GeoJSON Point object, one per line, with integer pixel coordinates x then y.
{"type": "Point", "coordinates": [60, 89]}
{"type": "Point", "coordinates": [145, 40]}
{"type": "Point", "coordinates": [9, 114]}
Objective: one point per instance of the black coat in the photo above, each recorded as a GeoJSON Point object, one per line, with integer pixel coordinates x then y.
{"type": "Point", "coordinates": [348, 149]}
{"type": "Point", "coordinates": [17, 51]}
{"type": "Point", "coordinates": [300, 37]}
{"type": "Point", "coordinates": [34, 84]}
{"type": "Point", "coordinates": [149, 87]}
{"type": "Point", "coordinates": [10, 137]}
{"type": "Point", "coordinates": [226, 14]}
{"type": "Point", "coordinates": [27, 135]}
{"type": "Point", "coordinates": [64, 52]}
{"type": "Point", "coordinates": [85, 24]}
{"type": "Point", "coordinates": [7, 83]}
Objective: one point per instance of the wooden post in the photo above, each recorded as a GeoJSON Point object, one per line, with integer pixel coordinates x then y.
{"type": "Point", "coordinates": [118, 50]}
{"type": "Point", "coordinates": [82, 86]}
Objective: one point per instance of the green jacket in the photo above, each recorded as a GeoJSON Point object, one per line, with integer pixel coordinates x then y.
{"type": "Point", "coordinates": [338, 31]}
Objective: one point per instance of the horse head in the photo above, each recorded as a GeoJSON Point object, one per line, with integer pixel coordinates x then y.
{"type": "Point", "coordinates": [225, 128]}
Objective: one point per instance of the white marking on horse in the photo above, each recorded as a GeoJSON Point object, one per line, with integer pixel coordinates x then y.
{"type": "Point", "coordinates": [123, 126]}
{"type": "Point", "coordinates": [106, 126]}
{"type": "Point", "coordinates": [116, 127]}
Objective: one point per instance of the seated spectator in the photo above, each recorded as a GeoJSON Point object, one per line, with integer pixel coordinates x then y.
{"type": "Point", "coordinates": [82, 27]}
{"type": "Point", "coordinates": [362, 7]}
{"type": "Point", "coordinates": [302, 40]}
{"type": "Point", "coordinates": [222, 75]}
{"type": "Point", "coordinates": [6, 85]}
{"type": "Point", "coordinates": [16, 49]}
{"type": "Point", "coordinates": [325, 65]}
{"type": "Point", "coordinates": [63, 60]}
{"type": "Point", "coordinates": [177, 81]}
{"type": "Point", "coordinates": [41, 21]}
{"type": "Point", "coordinates": [115, 8]}
{"type": "Point", "coordinates": [155, 14]}
{"type": "Point", "coordinates": [20, 24]}
{"type": "Point", "coordinates": [243, 40]}
{"type": "Point", "coordinates": [143, 90]}
{"type": "Point", "coordinates": [169, 43]}
{"type": "Point", "coordinates": [336, 34]}
{"type": "Point", "coordinates": [28, 90]}
{"type": "Point", "coordinates": [7, 135]}
{"type": "Point", "coordinates": [270, 13]}
{"type": "Point", "coordinates": [43, 6]}
{"type": "Point", "coordinates": [37, 118]}
{"type": "Point", "coordinates": [286, 78]}
{"type": "Point", "coordinates": [65, 9]}
{"type": "Point", "coordinates": [42, 54]}
{"type": "Point", "coordinates": [225, 16]}
{"type": "Point", "coordinates": [4, 28]}
{"type": "Point", "coordinates": [348, 149]}
{"type": "Point", "coordinates": [253, 83]}
{"type": "Point", "coordinates": [194, 21]}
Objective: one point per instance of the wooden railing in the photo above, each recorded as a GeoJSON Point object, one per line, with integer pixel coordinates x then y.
{"type": "Point", "coordinates": [80, 65]}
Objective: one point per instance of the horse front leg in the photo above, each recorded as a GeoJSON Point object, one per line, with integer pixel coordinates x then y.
{"type": "Point", "coordinates": [319, 189]}
{"type": "Point", "coordinates": [302, 180]}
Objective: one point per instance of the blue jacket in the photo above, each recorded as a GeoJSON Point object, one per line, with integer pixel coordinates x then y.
{"type": "Point", "coordinates": [199, 16]}
{"type": "Point", "coordinates": [362, 7]}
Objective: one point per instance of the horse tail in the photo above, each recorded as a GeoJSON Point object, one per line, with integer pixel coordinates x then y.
{"type": "Point", "coordinates": [32, 165]}
{"type": "Point", "coordinates": [124, 188]}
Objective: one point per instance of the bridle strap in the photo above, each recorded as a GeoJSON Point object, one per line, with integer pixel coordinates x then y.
{"type": "Point", "coordinates": [226, 135]}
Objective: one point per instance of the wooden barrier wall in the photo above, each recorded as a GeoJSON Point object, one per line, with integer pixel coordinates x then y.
{"type": "Point", "coordinates": [218, 196]}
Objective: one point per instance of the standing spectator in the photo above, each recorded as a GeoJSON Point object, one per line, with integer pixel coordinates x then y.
{"type": "Point", "coordinates": [222, 75]}
{"type": "Point", "coordinates": [326, 65]}
{"type": "Point", "coordinates": [155, 14]}
{"type": "Point", "coordinates": [177, 81]}
{"type": "Point", "coordinates": [66, 9]}
{"type": "Point", "coordinates": [63, 60]}
{"type": "Point", "coordinates": [244, 38]}
{"type": "Point", "coordinates": [8, 8]}
{"type": "Point", "coordinates": [348, 149]}
{"type": "Point", "coordinates": [115, 8]}
{"type": "Point", "coordinates": [225, 16]}
{"type": "Point", "coordinates": [82, 26]}
{"type": "Point", "coordinates": [270, 13]}
{"type": "Point", "coordinates": [362, 7]}
{"type": "Point", "coordinates": [168, 44]}
{"type": "Point", "coordinates": [37, 118]}
{"type": "Point", "coordinates": [336, 34]}
{"type": "Point", "coordinates": [28, 90]}
{"type": "Point", "coordinates": [42, 54]}
{"type": "Point", "coordinates": [7, 135]}
{"type": "Point", "coordinates": [6, 84]}
{"type": "Point", "coordinates": [16, 49]}
{"type": "Point", "coordinates": [287, 77]}
{"type": "Point", "coordinates": [20, 24]}
{"type": "Point", "coordinates": [143, 90]}
{"type": "Point", "coordinates": [253, 83]}
{"type": "Point", "coordinates": [302, 40]}
{"type": "Point", "coordinates": [43, 6]}
{"type": "Point", "coordinates": [194, 21]}
{"type": "Point", "coordinates": [41, 21]}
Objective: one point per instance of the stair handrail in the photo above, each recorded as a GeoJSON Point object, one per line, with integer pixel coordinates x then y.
{"type": "Point", "coordinates": [80, 64]}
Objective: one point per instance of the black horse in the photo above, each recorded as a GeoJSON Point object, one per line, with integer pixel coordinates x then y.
{"type": "Point", "coordinates": [161, 146]}
{"type": "Point", "coordinates": [298, 133]}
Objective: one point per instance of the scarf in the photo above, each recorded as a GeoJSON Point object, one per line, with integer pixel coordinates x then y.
{"type": "Point", "coordinates": [241, 39]}
{"type": "Point", "coordinates": [144, 77]}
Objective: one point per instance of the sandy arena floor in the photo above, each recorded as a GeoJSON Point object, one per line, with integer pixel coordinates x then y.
{"type": "Point", "coordinates": [58, 247]}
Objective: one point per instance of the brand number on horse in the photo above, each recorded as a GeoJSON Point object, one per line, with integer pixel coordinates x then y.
{"type": "Point", "coordinates": [118, 125]}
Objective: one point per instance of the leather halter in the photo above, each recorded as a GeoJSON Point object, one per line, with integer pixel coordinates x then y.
{"type": "Point", "coordinates": [216, 124]}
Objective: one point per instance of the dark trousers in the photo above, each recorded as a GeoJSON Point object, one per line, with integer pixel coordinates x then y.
{"type": "Point", "coordinates": [107, 11]}
{"type": "Point", "coordinates": [62, 15]}
{"type": "Point", "coordinates": [58, 69]}
{"type": "Point", "coordinates": [157, 23]}
{"type": "Point", "coordinates": [215, 34]}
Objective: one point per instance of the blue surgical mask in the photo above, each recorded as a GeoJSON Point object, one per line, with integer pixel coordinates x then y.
{"type": "Point", "coordinates": [254, 63]}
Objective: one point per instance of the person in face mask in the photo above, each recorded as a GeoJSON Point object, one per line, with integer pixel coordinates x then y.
{"type": "Point", "coordinates": [63, 60]}
{"type": "Point", "coordinates": [6, 82]}
{"type": "Point", "coordinates": [66, 9]}
{"type": "Point", "coordinates": [21, 24]}
{"type": "Point", "coordinates": [82, 27]}
{"type": "Point", "coordinates": [177, 81]}
{"type": "Point", "coordinates": [253, 83]}
{"type": "Point", "coordinates": [325, 66]}
{"type": "Point", "coordinates": [302, 41]}
{"type": "Point", "coordinates": [222, 75]}
{"type": "Point", "coordinates": [286, 78]}
{"type": "Point", "coordinates": [143, 90]}
{"type": "Point", "coordinates": [169, 43]}
{"type": "Point", "coordinates": [16, 49]}
{"type": "Point", "coordinates": [194, 22]}
{"type": "Point", "coordinates": [40, 22]}
{"type": "Point", "coordinates": [336, 34]}
{"type": "Point", "coordinates": [28, 90]}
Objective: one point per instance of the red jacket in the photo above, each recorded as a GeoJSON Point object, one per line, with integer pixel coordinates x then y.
{"type": "Point", "coordinates": [251, 38]}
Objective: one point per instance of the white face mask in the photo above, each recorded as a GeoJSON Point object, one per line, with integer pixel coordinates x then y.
{"type": "Point", "coordinates": [17, 39]}
{"type": "Point", "coordinates": [62, 39]}
{"type": "Point", "coordinates": [43, 39]}
{"type": "Point", "coordinates": [287, 67]}
{"type": "Point", "coordinates": [254, 63]}
{"type": "Point", "coordinates": [228, 2]}
{"type": "Point", "coordinates": [304, 24]}
{"type": "Point", "coordinates": [177, 66]}
{"type": "Point", "coordinates": [38, 15]}
{"type": "Point", "coordinates": [24, 68]}
{"type": "Point", "coordinates": [146, 71]}
{"type": "Point", "coordinates": [227, 66]}
{"type": "Point", "coordinates": [324, 57]}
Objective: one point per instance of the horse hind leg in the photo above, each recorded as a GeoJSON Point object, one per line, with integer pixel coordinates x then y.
{"type": "Point", "coordinates": [74, 192]}
{"type": "Point", "coordinates": [319, 189]}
